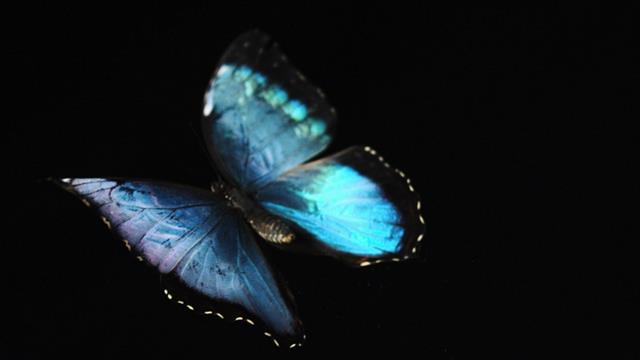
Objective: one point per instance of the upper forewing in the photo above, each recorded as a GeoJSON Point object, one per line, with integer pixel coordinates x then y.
{"type": "Point", "coordinates": [261, 117]}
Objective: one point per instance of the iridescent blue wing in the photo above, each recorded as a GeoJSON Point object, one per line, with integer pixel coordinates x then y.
{"type": "Point", "coordinates": [193, 235]}
{"type": "Point", "coordinates": [261, 117]}
{"type": "Point", "coordinates": [352, 206]}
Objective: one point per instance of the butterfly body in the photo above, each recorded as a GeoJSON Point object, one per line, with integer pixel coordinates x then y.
{"type": "Point", "coordinates": [270, 228]}
{"type": "Point", "coordinates": [262, 123]}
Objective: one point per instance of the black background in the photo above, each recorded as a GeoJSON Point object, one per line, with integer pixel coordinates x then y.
{"type": "Point", "coordinates": [510, 122]}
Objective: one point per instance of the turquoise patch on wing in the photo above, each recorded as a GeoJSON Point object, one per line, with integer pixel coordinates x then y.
{"type": "Point", "coordinates": [274, 95]}
{"type": "Point", "coordinates": [256, 84]}
{"type": "Point", "coordinates": [341, 208]}
{"type": "Point", "coordinates": [296, 110]}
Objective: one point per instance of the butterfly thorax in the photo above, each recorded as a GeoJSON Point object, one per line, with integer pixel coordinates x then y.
{"type": "Point", "coordinates": [269, 227]}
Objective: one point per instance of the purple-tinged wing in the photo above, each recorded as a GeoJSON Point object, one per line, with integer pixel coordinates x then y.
{"type": "Point", "coordinates": [193, 235]}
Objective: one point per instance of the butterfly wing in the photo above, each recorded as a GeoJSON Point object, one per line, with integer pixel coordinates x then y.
{"type": "Point", "coordinates": [353, 205]}
{"type": "Point", "coordinates": [194, 235]}
{"type": "Point", "coordinates": [261, 117]}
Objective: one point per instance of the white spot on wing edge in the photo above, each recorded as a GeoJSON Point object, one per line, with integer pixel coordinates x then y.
{"type": "Point", "coordinates": [223, 70]}
{"type": "Point", "coordinates": [208, 103]}
{"type": "Point", "coordinates": [66, 180]}
{"type": "Point", "coordinates": [106, 222]}
{"type": "Point", "coordinates": [365, 263]}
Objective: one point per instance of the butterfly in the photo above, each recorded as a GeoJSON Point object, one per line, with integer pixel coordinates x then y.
{"type": "Point", "coordinates": [261, 123]}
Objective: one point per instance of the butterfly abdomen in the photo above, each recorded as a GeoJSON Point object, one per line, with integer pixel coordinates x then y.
{"type": "Point", "coordinates": [270, 227]}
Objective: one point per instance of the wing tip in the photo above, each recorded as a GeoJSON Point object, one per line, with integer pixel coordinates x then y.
{"type": "Point", "coordinates": [282, 341]}
{"type": "Point", "coordinates": [253, 38]}
{"type": "Point", "coordinates": [65, 183]}
{"type": "Point", "coordinates": [70, 183]}
{"type": "Point", "coordinates": [254, 32]}
{"type": "Point", "coordinates": [419, 222]}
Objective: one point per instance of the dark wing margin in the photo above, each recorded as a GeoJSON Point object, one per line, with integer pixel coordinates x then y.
{"type": "Point", "coordinates": [261, 116]}
{"type": "Point", "coordinates": [353, 206]}
{"type": "Point", "coordinates": [193, 236]}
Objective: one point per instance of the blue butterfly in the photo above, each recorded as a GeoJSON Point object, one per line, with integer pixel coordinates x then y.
{"type": "Point", "coordinates": [262, 120]}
